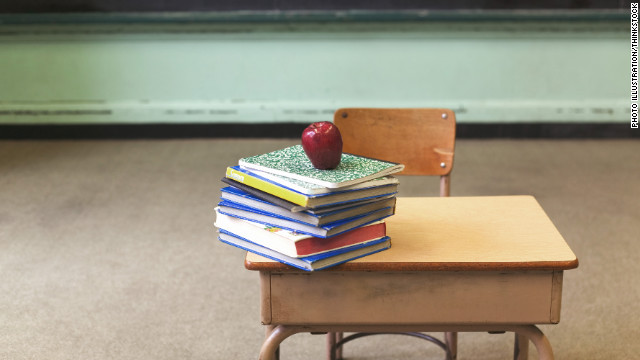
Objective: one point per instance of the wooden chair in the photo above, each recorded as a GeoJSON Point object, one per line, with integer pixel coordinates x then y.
{"type": "Point", "coordinates": [422, 139]}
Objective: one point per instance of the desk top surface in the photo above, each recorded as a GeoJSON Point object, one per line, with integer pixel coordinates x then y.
{"type": "Point", "coordinates": [489, 233]}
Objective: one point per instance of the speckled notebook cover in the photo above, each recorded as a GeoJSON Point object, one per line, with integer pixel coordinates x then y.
{"type": "Point", "coordinates": [293, 162]}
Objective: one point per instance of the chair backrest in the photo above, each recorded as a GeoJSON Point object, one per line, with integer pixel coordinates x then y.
{"type": "Point", "coordinates": [422, 139]}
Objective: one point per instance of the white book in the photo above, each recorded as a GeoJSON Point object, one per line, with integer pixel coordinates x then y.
{"type": "Point", "coordinates": [324, 231]}
{"type": "Point", "coordinates": [315, 217]}
{"type": "Point", "coordinates": [315, 189]}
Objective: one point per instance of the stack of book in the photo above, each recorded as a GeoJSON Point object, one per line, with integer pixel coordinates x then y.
{"type": "Point", "coordinates": [279, 206]}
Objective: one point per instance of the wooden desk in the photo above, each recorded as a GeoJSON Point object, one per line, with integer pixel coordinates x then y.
{"type": "Point", "coordinates": [455, 264]}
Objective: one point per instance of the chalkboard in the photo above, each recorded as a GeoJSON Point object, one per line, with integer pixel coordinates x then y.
{"type": "Point", "coordinates": [125, 6]}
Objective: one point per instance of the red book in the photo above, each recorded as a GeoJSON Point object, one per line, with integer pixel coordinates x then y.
{"type": "Point", "coordinates": [295, 244]}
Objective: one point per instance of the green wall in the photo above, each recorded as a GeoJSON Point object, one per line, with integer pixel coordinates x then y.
{"type": "Point", "coordinates": [487, 71]}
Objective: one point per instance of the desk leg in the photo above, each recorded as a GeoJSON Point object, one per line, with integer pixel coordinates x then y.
{"type": "Point", "coordinates": [525, 333]}
{"type": "Point", "coordinates": [334, 353]}
{"type": "Point", "coordinates": [276, 335]}
{"type": "Point", "coordinates": [451, 340]}
{"type": "Point", "coordinates": [268, 330]}
{"type": "Point", "coordinates": [521, 347]}
{"type": "Point", "coordinates": [331, 343]}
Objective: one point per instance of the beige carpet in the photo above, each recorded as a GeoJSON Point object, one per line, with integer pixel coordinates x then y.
{"type": "Point", "coordinates": [107, 250]}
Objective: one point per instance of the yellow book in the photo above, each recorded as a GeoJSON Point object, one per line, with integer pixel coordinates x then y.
{"type": "Point", "coordinates": [268, 187]}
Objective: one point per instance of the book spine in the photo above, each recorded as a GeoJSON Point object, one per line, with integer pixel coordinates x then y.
{"type": "Point", "coordinates": [265, 252]}
{"type": "Point", "coordinates": [267, 187]}
{"type": "Point", "coordinates": [314, 245]}
{"type": "Point", "coordinates": [272, 221]}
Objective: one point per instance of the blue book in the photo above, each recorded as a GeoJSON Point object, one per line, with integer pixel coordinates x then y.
{"type": "Point", "coordinates": [312, 217]}
{"type": "Point", "coordinates": [309, 263]}
{"type": "Point", "coordinates": [243, 212]}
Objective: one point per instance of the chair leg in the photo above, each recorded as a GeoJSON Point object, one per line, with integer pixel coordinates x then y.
{"type": "Point", "coordinates": [451, 340]}
{"type": "Point", "coordinates": [445, 185]}
{"type": "Point", "coordinates": [335, 342]}
{"type": "Point", "coordinates": [524, 334]}
{"type": "Point", "coordinates": [339, 337]}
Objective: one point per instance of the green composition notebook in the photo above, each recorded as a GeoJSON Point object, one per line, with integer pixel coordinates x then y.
{"type": "Point", "coordinates": [292, 162]}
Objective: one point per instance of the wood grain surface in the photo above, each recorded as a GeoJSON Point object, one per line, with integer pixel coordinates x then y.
{"type": "Point", "coordinates": [422, 139]}
{"type": "Point", "coordinates": [492, 233]}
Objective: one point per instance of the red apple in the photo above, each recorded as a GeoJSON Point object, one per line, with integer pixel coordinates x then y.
{"type": "Point", "coordinates": [322, 143]}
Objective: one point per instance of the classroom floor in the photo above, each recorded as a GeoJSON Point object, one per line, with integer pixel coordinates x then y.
{"type": "Point", "coordinates": [108, 250]}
